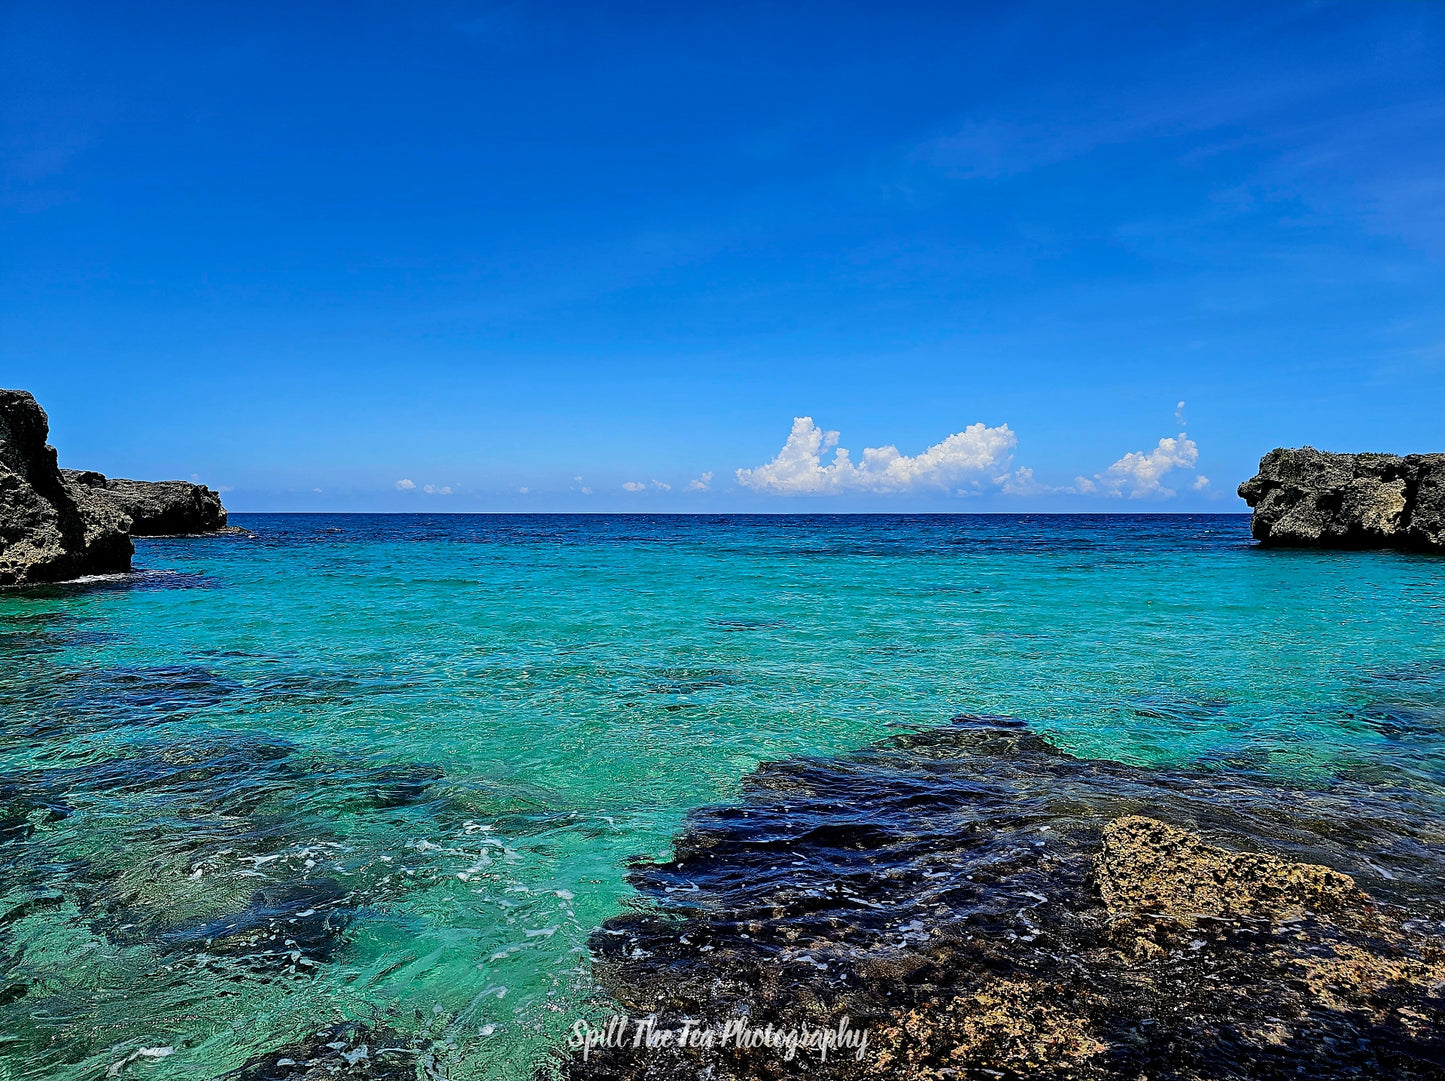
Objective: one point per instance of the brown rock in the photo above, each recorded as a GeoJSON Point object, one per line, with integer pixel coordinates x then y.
{"type": "Point", "coordinates": [1148, 866]}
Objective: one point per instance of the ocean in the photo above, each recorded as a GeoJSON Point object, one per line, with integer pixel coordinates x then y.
{"type": "Point", "coordinates": [394, 769]}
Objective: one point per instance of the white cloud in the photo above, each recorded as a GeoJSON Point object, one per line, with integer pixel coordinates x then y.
{"type": "Point", "coordinates": [226, 488]}
{"type": "Point", "coordinates": [1179, 414]}
{"type": "Point", "coordinates": [633, 486]}
{"type": "Point", "coordinates": [977, 451]}
{"type": "Point", "coordinates": [316, 490]}
{"type": "Point", "coordinates": [701, 484]}
{"type": "Point", "coordinates": [1140, 473]}
{"type": "Point", "coordinates": [1022, 482]}
{"type": "Point", "coordinates": [1201, 482]}
{"type": "Point", "coordinates": [524, 489]}
{"type": "Point", "coordinates": [433, 489]}
{"type": "Point", "coordinates": [586, 490]}
{"type": "Point", "coordinates": [405, 485]}
{"type": "Point", "coordinates": [660, 486]}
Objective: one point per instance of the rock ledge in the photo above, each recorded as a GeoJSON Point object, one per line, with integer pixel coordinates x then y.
{"type": "Point", "coordinates": [157, 508]}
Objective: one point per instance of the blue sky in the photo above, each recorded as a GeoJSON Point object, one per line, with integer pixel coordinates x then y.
{"type": "Point", "coordinates": [307, 252]}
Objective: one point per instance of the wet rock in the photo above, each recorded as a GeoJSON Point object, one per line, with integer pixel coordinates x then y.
{"type": "Point", "coordinates": [1308, 498]}
{"type": "Point", "coordinates": [50, 529]}
{"type": "Point", "coordinates": [987, 907]}
{"type": "Point", "coordinates": [155, 507]}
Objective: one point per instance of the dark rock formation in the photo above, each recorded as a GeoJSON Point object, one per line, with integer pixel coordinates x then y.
{"type": "Point", "coordinates": [1308, 498]}
{"type": "Point", "coordinates": [989, 907]}
{"type": "Point", "coordinates": [347, 1050]}
{"type": "Point", "coordinates": [156, 508]}
{"type": "Point", "coordinates": [50, 529]}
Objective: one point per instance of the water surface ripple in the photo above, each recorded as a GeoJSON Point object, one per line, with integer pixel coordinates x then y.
{"type": "Point", "coordinates": [391, 769]}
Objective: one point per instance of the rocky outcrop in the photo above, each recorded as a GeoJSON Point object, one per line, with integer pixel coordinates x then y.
{"type": "Point", "coordinates": [1308, 498]}
{"type": "Point", "coordinates": [156, 508]}
{"type": "Point", "coordinates": [50, 529]}
{"type": "Point", "coordinates": [986, 906]}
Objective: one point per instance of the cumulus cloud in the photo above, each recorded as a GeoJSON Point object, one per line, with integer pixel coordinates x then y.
{"type": "Point", "coordinates": [523, 489]}
{"type": "Point", "coordinates": [700, 484]}
{"type": "Point", "coordinates": [633, 486]}
{"type": "Point", "coordinates": [1201, 482]}
{"type": "Point", "coordinates": [1140, 474]}
{"type": "Point", "coordinates": [405, 485]}
{"type": "Point", "coordinates": [974, 453]}
{"type": "Point", "coordinates": [1022, 482]}
{"type": "Point", "coordinates": [661, 486]}
{"type": "Point", "coordinates": [437, 489]}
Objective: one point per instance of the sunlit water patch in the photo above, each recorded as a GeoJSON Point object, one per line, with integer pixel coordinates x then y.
{"type": "Point", "coordinates": [390, 770]}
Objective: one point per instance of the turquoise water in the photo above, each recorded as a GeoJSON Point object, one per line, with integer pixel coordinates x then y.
{"type": "Point", "coordinates": [425, 747]}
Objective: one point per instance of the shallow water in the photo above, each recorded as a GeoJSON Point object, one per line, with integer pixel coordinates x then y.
{"type": "Point", "coordinates": [391, 768]}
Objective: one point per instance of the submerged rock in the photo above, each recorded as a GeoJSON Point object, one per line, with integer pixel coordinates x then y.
{"type": "Point", "coordinates": [1309, 498]}
{"type": "Point", "coordinates": [988, 907]}
{"type": "Point", "coordinates": [156, 508]}
{"type": "Point", "coordinates": [50, 529]}
{"type": "Point", "coordinates": [347, 1050]}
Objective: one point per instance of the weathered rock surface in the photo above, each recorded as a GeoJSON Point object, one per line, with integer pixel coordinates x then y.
{"type": "Point", "coordinates": [1309, 498]}
{"type": "Point", "coordinates": [50, 529]}
{"type": "Point", "coordinates": [156, 507]}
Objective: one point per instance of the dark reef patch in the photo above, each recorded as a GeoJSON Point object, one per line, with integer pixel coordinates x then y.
{"type": "Point", "coordinates": [989, 907]}
{"type": "Point", "coordinates": [1405, 703]}
{"type": "Point", "coordinates": [691, 680]}
{"type": "Point", "coordinates": [745, 624]}
{"type": "Point", "coordinates": [221, 848]}
{"type": "Point", "coordinates": [298, 920]}
{"type": "Point", "coordinates": [347, 1050]}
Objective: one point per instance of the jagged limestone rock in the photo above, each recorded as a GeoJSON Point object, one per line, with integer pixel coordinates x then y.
{"type": "Point", "coordinates": [50, 529]}
{"type": "Point", "coordinates": [1309, 498]}
{"type": "Point", "coordinates": [156, 507]}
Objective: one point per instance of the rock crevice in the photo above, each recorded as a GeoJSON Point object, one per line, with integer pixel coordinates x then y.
{"type": "Point", "coordinates": [1304, 497]}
